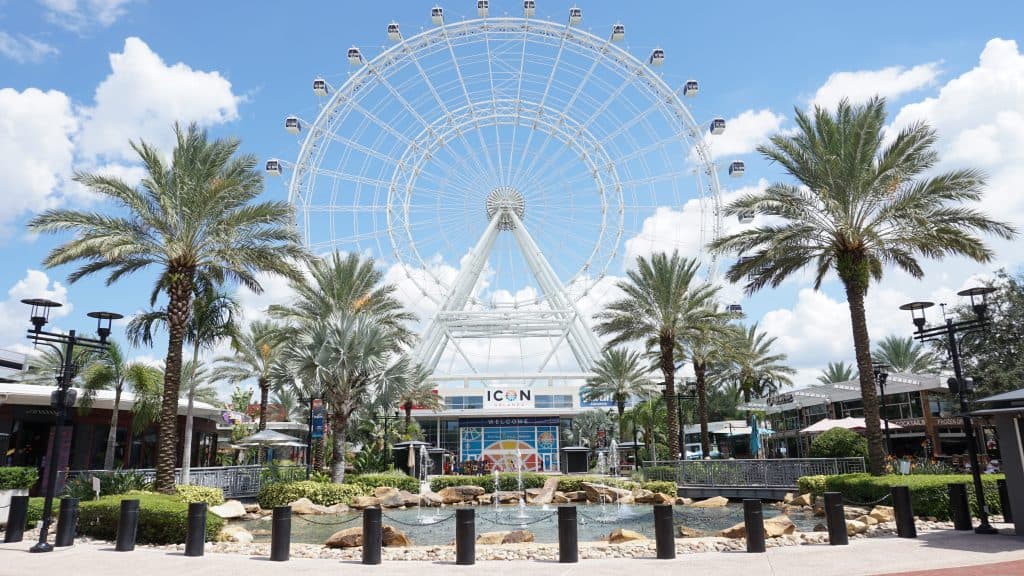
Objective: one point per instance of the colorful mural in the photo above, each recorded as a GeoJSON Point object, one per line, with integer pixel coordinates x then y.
{"type": "Point", "coordinates": [497, 444]}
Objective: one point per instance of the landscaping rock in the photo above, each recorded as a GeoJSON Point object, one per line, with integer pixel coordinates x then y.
{"type": "Point", "coordinates": [347, 538]}
{"type": "Point", "coordinates": [777, 526]}
{"type": "Point", "coordinates": [854, 527]}
{"type": "Point", "coordinates": [547, 491]}
{"type": "Point", "coordinates": [680, 501]}
{"type": "Point", "coordinates": [883, 514]}
{"type": "Point", "coordinates": [455, 494]}
{"type": "Point", "coordinates": [559, 498]}
{"type": "Point", "coordinates": [867, 520]}
{"type": "Point", "coordinates": [853, 512]}
{"type": "Point", "coordinates": [228, 510]}
{"type": "Point", "coordinates": [393, 537]}
{"type": "Point", "coordinates": [819, 527]}
{"type": "Point", "coordinates": [303, 506]}
{"type": "Point", "coordinates": [687, 532]}
{"type": "Point", "coordinates": [252, 509]}
{"type": "Point", "coordinates": [360, 502]}
{"type": "Point", "coordinates": [576, 496]}
{"type": "Point", "coordinates": [430, 499]}
{"type": "Point", "coordinates": [391, 499]}
{"type": "Point", "coordinates": [801, 500]}
{"type": "Point", "coordinates": [788, 498]}
{"type": "Point", "coordinates": [654, 498]}
{"type": "Point", "coordinates": [734, 531]}
{"type": "Point", "coordinates": [235, 533]}
{"type": "Point", "coordinates": [713, 502]}
{"type": "Point", "coordinates": [620, 535]}
{"type": "Point", "coordinates": [338, 508]}
{"type": "Point", "coordinates": [518, 537]}
{"type": "Point", "coordinates": [491, 538]}
{"type": "Point", "coordinates": [382, 492]}
{"type": "Point", "coordinates": [601, 493]}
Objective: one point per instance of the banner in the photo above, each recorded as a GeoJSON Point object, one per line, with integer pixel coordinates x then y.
{"type": "Point", "coordinates": [317, 410]}
{"type": "Point", "coordinates": [511, 421]}
{"type": "Point", "coordinates": [504, 399]}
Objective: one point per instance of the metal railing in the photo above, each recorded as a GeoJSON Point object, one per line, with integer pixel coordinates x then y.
{"type": "Point", "coordinates": [776, 473]}
{"type": "Point", "coordinates": [235, 481]}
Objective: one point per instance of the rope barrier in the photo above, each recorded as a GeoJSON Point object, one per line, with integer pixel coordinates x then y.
{"type": "Point", "coordinates": [863, 504]}
{"type": "Point", "coordinates": [338, 523]}
{"type": "Point", "coordinates": [616, 520]}
{"type": "Point", "coordinates": [521, 523]}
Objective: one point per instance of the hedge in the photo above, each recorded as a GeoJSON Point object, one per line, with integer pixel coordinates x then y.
{"type": "Point", "coordinates": [669, 488]}
{"type": "Point", "coordinates": [18, 477]}
{"type": "Point", "coordinates": [211, 495]}
{"type": "Point", "coordinates": [395, 479]}
{"type": "Point", "coordinates": [575, 483]}
{"type": "Point", "coordinates": [928, 493]}
{"type": "Point", "coordinates": [163, 518]}
{"type": "Point", "coordinates": [325, 494]}
{"type": "Point", "coordinates": [506, 481]}
{"type": "Point", "coordinates": [839, 443]}
{"type": "Point", "coordinates": [660, 473]}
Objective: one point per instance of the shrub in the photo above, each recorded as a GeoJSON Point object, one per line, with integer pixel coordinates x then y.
{"type": "Point", "coordinates": [394, 479]}
{"type": "Point", "coordinates": [211, 495]}
{"type": "Point", "coordinates": [18, 477]}
{"type": "Point", "coordinates": [669, 488]}
{"type": "Point", "coordinates": [660, 473]}
{"type": "Point", "coordinates": [506, 481]}
{"type": "Point", "coordinates": [114, 482]}
{"type": "Point", "coordinates": [928, 493]}
{"type": "Point", "coordinates": [277, 471]}
{"type": "Point", "coordinates": [163, 518]}
{"type": "Point", "coordinates": [814, 485]}
{"type": "Point", "coordinates": [575, 483]}
{"type": "Point", "coordinates": [839, 443]}
{"type": "Point", "coordinates": [284, 493]}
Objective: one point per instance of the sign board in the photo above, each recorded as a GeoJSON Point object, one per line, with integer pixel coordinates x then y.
{"type": "Point", "coordinates": [489, 422]}
{"type": "Point", "coordinates": [777, 399]}
{"type": "Point", "coordinates": [317, 421]}
{"type": "Point", "coordinates": [96, 485]}
{"type": "Point", "coordinates": [603, 402]}
{"type": "Point", "coordinates": [506, 398]}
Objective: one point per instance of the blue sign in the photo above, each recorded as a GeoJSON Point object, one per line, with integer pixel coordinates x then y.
{"type": "Point", "coordinates": [605, 402]}
{"type": "Point", "coordinates": [317, 422]}
{"type": "Point", "coordinates": [524, 421]}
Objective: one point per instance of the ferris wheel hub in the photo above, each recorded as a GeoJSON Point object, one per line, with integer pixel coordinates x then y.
{"type": "Point", "coordinates": [505, 198]}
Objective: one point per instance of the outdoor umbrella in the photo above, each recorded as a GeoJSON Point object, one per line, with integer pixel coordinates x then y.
{"type": "Point", "coordinates": [755, 437]}
{"type": "Point", "coordinates": [267, 438]}
{"type": "Point", "coordinates": [848, 423]}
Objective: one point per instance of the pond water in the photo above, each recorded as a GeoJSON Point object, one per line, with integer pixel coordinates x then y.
{"type": "Point", "coordinates": [436, 526]}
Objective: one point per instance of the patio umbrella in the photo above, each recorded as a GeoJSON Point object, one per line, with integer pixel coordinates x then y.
{"type": "Point", "coordinates": [848, 423]}
{"type": "Point", "coordinates": [268, 438]}
{"type": "Point", "coordinates": [755, 437]}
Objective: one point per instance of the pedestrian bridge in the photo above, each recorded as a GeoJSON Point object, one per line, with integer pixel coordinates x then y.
{"type": "Point", "coordinates": [766, 479]}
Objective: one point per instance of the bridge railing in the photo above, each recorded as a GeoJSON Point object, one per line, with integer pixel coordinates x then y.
{"type": "Point", "coordinates": [235, 481]}
{"type": "Point", "coordinates": [774, 473]}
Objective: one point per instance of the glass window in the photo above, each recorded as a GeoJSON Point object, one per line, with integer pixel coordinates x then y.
{"type": "Point", "coordinates": [464, 402]}
{"type": "Point", "coordinates": [553, 401]}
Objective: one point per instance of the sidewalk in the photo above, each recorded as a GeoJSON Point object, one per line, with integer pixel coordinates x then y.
{"type": "Point", "coordinates": [863, 557]}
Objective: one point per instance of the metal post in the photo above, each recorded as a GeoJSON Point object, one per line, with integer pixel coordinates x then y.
{"type": "Point", "coordinates": [127, 526]}
{"type": "Point", "coordinates": [58, 432]}
{"type": "Point", "coordinates": [309, 440]}
{"type": "Point", "coordinates": [904, 512]}
{"type": "Point", "coordinates": [664, 539]}
{"type": "Point", "coordinates": [836, 518]}
{"type": "Point", "coordinates": [465, 536]}
{"type": "Point", "coordinates": [372, 535]}
{"type": "Point", "coordinates": [195, 534]}
{"type": "Point", "coordinates": [959, 509]}
{"type": "Point", "coordinates": [682, 432]}
{"type": "Point", "coordinates": [568, 541]}
{"type": "Point", "coordinates": [16, 519]}
{"type": "Point", "coordinates": [885, 409]}
{"type": "Point", "coordinates": [281, 533]}
{"type": "Point", "coordinates": [753, 520]}
{"type": "Point", "coordinates": [1004, 502]}
{"type": "Point", "coordinates": [67, 521]}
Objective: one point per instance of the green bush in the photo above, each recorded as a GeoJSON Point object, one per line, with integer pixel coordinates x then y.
{"type": "Point", "coordinates": [284, 493]}
{"type": "Point", "coordinates": [18, 477]}
{"type": "Point", "coordinates": [394, 479]}
{"type": "Point", "coordinates": [163, 518]}
{"type": "Point", "coordinates": [575, 483]}
{"type": "Point", "coordinates": [928, 493]}
{"type": "Point", "coordinates": [839, 443]}
{"type": "Point", "coordinates": [814, 485]}
{"type": "Point", "coordinates": [113, 482]}
{"type": "Point", "coordinates": [660, 473]}
{"type": "Point", "coordinates": [211, 495]}
{"type": "Point", "coordinates": [669, 488]}
{"type": "Point", "coordinates": [506, 481]}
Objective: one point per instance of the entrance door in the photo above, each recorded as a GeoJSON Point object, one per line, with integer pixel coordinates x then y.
{"type": "Point", "coordinates": [548, 465]}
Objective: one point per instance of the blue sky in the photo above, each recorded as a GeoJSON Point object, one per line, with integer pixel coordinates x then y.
{"type": "Point", "coordinates": [78, 78]}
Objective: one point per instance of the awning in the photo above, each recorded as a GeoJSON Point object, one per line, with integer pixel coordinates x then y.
{"type": "Point", "coordinates": [849, 423]}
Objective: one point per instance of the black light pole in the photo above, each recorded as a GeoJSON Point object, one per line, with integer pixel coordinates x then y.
{"type": "Point", "coordinates": [948, 332]}
{"type": "Point", "coordinates": [687, 393]}
{"type": "Point", "coordinates": [62, 398]}
{"type": "Point", "coordinates": [387, 439]}
{"type": "Point", "coordinates": [881, 376]}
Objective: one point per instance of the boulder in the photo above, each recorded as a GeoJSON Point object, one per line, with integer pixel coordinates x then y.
{"type": "Point", "coordinates": [620, 535]}
{"type": "Point", "coordinates": [382, 492]}
{"type": "Point", "coordinates": [518, 536]}
{"type": "Point", "coordinates": [802, 500]}
{"type": "Point", "coordinates": [559, 498]}
{"type": "Point", "coordinates": [855, 527]}
{"type": "Point", "coordinates": [654, 498]}
{"type": "Point", "coordinates": [235, 533]}
{"type": "Point", "coordinates": [819, 527]}
{"type": "Point", "coordinates": [867, 520]}
{"type": "Point", "coordinates": [546, 495]}
{"type": "Point", "coordinates": [601, 493]}
{"type": "Point", "coordinates": [430, 499]}
{"type": "Point", "coordinates": [338, 508]}
{"type": "Point", "coordinates": [252, 509]}
{"type": "Point", "coordinates": [687, 532]}
{"type": "Point", "coordinates": [713, 502]}
{"type": "Point", "coordinates": [303, 506]}
{"type": "Point", "coordinates": [680, 501]}
{"type": "Point", "coordinates": [788, 498]}
{"type": "Point", "coordinates": [392, 500]}
{"type": "Point", "coordinates": [347, 538]}
{"type": "Point", "coordinates": [883, 514]}
{"type": "Point", "coordinates": [734, 531]}
{"type": "Point", "coordinates": [626, 499]}
{"type": "Point", "coordinates": [852, 512]}
{"type": "Point", "coordinates": [455, 494]}
{"type": "Point", "coordinates": [393, 537]}
{"type": "Point", "coordinates": [228, 510]}
{"type": "Point", "coordinates": [576, 496]}
{"type": "Point", "coordinates": [491, 538]}
{"type": "Point", "coordinates": [777, 526]}
{"type": "Point", "coordinates": [360, 502]}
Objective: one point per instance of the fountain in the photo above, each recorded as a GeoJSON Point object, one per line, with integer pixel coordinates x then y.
{"type": "Point", "coordinates": [519, 480]}
{"type": "Point", "coordinates": [613, 457]}
{"type": "Point", "coordinates": [602, 463]}
{"type": "Point", "coordinates": [497, 487]}
{"type": "Point", "coordinates": [425, 464]}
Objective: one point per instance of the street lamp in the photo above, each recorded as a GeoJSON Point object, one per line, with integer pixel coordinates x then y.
{"type": "Point", "coordinates": [881, 376]}
{"type": "Point", "coordinates": [948, 332]}
{"type": "Point", "coordinates": [387, 439]}
{"type": "Point", "coordinates": [685, 392]}
{"type": "Point", "coordinates": [62, 398]}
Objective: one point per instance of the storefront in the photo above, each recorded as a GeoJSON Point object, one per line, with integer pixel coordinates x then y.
{"type": "Point", "coordinates": [500, 442]}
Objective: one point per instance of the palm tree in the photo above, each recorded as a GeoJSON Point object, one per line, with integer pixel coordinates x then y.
{"type": "Point", "coordinates": [111, 370]}
{"type": "Point", "coordinates": [907, 355]}
{"type": "Point", "coordinates": [860, 204]}
{"type": "Point", "coordinates": [288, 400]}
{"type": "Point", "coordinates": [256, 351]}
{"type": "Point", "coordinates": [663, 301]}
{"type": "Point", "coordinates": [418, 391]}
{"type": "Point", "coordinates": [648, 419]}
{"type": "Point", "coordinates": [707, 343]}
{"type": "Point", "coordinates": [836, 372]}
{"type": "Point", "coordinates": [194, 219]}
{"type": "Point", "coordinates": [619, 374]}
{"type": "Point", "coordinates": [753, 366]}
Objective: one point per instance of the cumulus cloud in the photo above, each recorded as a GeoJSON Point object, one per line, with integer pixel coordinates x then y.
{"type": "Point", "coordinates": [79, 16]}
{"type": "Point", "coordinates": [891, 82]}
{"type": "Point", "coordinates": [745, 132]}
{"type": "Point", "coordinates": [24, 49]}
{"type": "Point", "coordinates": [14, 314]}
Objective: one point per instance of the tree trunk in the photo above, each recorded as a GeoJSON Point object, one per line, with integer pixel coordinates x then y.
{"type": "Point", "coordinates": [862, 347]}
{"type": "Point", "coordinates": [108, 458]}
{"type": "Point", "coordinates": [408, 414]}
{"type": "Point", "coordinates": [338, 434]}
{"type": "Point", "coordinates": [621, 406]}
{"type": "Point", "coordinates": [186, 452]}
{"type": "Point", "coordinates": [700, 370]}
{"type": "Point", "coordinates": [264, 384]}
{"type": "Point", "coordinates": [668, 370]}
{"type": "Point", "coordinates": [179, 302]}
{"type": "Point", "coordinates": [929, 425]}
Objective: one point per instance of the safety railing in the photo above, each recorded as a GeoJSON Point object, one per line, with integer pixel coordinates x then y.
{"type": "Point", "coordinates": [774, 473]}
{"type": "Point", "coordinates": [235, 481]}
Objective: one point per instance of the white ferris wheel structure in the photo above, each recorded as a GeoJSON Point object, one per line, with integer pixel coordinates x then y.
{"type": "Point", "coordinates": [509, 167]}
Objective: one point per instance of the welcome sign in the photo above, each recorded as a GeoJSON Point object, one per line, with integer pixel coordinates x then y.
{"type": "Point", "coordinates": [506, 398]}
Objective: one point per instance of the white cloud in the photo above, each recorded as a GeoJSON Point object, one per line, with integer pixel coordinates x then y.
{"type": "Point", "coordinates": [14, 315]}
{"type": "Point", "coordinates": [23, 49]}
{"type": "Point", "coordinates": [36, 143]}
{"type": "Point", "coordinates": [79, 16]}
{"type": "Point", "coordinates": [745, 132]}
{"type": "Point", "coordinates": [860, 85]}
{"type": "Point", "coordinates": [141, 99]}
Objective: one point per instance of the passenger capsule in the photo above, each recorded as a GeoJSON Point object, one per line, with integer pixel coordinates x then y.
{"type": "Point", "coordinates": [274, 167]}
{"type": "Point", "coordinates": [320, 87]}
{"type": "Point", "coordinates": [575, 15]}
{"type": "Point", "coordinates": [745, 217]}
{"type": "Point", "coordinates": [691, 88]}
{"type": "Point", "coordinates": [355, 58]}
{"type": "Point", "coordinates": [437, 15]}
{"type": "Point", "coordinates": [394, 33]}
{"type": "Point", "coordinates": [618, 32]}
{"type": "Point", "coordinates": [529, 8]}
{"type": "Point", "coordinates": [292, 125]}
{"type": "Point", "coordinates": [737, 168]}
{"type": "Point", "coordinates": [657, 57]}
{"type": "Point", "coordinates": [482, 8]}
{"type": "Point", "coordinates": [717, 126]}
{"type": "Point", "coordinates": [734, 309]}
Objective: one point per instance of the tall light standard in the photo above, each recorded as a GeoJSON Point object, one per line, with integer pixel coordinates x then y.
{"type": "Point", "coordinates": [62, 398]}
{"type": "Point", "coordinates": [948, 333]}
{"type": "Point", "coordinates": [881, 376]}
{"type": "Point", "coordinates": [687, 391]}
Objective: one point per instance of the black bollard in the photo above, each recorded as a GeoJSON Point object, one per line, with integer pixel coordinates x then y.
{"type": "Point", "coordinates": [195, 534]}
{"type": "Point", "coordinates": [372, 535]}
{"type": "Point", "coordinates": [904, 512]}
{"type": "Point", "coordinates": [664, 539]}
{"type": "Point", "coordinates": [465, 536]}
{"type": "Point", "coordinates": [16, 519]}
{"type": "Point", "coordinates": [1004, 502]}
{"type": "Point", "coordinates": [959, 509]}
{"type": "Point", "coordinates": [127, 526]}
{"type": "Point", "coordinates": [836, 518]}
{"type": "Point", "coordinates": [67, 521]}
{"type": "Point", "coordinates": [281, 534]}
{"type": "Point", "coordinates": [753, 520]}
{"type": "Point", "coordinates": [568, 542]}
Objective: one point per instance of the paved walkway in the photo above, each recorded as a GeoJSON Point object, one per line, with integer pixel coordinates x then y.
{"type": "Point", "coordinates": [863, 557]}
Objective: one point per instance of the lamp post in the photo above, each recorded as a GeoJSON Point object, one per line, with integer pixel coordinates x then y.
{"type": "Point", "coordinates": [949, 332]}
{"type": "Point", "coordinates": [62, 398]}
{"type": "Point", "coordinates": [685, 392]}
{"type": "Point", "coordinates": [387, 439]}
{"type": "Point", "coordinates": [881, 376]}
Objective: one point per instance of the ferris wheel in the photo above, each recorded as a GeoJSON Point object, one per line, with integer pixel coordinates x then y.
{"type": "Point", "coordinates": [512, 167]}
